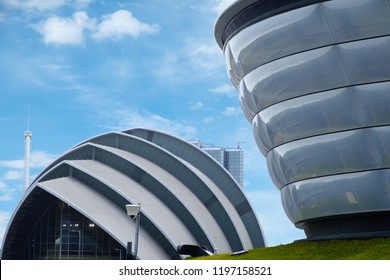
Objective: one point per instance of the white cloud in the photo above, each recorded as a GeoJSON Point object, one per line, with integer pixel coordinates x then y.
{"type": "Point", "coordinates": [225, 89]}
{"type": "Point", "coordinates": [12, 163]}
{"type": "Point", "coordinates": [54, 67]}
{"type": "Point", "coordinates": [13, 170]}
{"type": "Point", "coordinates": [41, 159]}
{"type": "Point", "coordinates": [66, 31]}
{"type": "Point", "coordinates": [38, 159]}
{"type": "Point", "coordinates": [171, 68]}
{"type": "Point", "coordinates": [35, 4]}
{"type": "Point", "coordinates": [208, 120]}
{"type": "Point", "coordinates": [81, 3]}
{"type": "Point", "coordinates": [197, 105]}
{"type": "Point", "coordinates": [231, 111]}
{"type": "Point", "coordinates": [196, 60]}
{"type": "Point", "coordinates": [121, 119]}
{"type": "Point", "coordinates": [4, 219]}
{"type": "Point", "coordinates": [43, 5]}
{"type": "Point", "coordinates": [205, 56]}
{"type": "Point", "coordinates": [221, 5]}
{"type": "Point", "coordinates": [205, 50]}
{"type": "Point", "coordinates": [73, 30]}
{"type": "Point", "coordinates": [216, 6]}
{"type": "Point", "coordinates": [6, 193]}
{"type": "Point", "coordinates": [13, 175]}
{"type": "Point", "coordinates": [121, 24]}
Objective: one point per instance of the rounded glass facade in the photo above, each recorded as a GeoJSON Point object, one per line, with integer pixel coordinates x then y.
{"type": "Point", "coordinates": [314, 81]}
{"type": "Point", "coordinates": [65, 234]}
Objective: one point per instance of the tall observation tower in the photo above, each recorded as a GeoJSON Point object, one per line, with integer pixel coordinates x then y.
{"type": "Point", "coordinates": [27, 143]}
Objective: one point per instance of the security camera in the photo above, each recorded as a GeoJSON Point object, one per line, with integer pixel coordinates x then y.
{"type": "Point", "coordinates": [133, 210]}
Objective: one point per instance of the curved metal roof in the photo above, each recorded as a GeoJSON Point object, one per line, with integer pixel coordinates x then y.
{"type": "Point", "coordinates": [243, 13]}
{"type": "Point", "coordinates": [186, 196]}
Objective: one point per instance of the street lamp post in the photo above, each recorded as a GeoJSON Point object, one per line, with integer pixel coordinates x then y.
{"type": "Point", "coordinates": [134, 212]}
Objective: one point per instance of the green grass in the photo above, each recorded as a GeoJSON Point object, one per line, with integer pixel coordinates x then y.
{"type": "Point", "coordinates": [369, 249]}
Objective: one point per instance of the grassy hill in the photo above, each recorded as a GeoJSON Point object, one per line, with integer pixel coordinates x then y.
{"type": "Point", "coordinates": [369, 249]}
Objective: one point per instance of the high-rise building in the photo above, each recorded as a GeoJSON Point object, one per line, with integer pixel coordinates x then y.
{"type": "Point", "coordinates": [230, 158]}
{"type": "Point", "coordinates": [314, 81]}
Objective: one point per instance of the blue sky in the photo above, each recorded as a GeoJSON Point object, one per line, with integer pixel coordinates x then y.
{"type": "Point", "coordinates": [87, 67]}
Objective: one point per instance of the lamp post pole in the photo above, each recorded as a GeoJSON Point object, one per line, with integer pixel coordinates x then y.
{"type": "Point", "coordinates": [137, 220]}
{"type": "Point", "coordinates": [134, 212]}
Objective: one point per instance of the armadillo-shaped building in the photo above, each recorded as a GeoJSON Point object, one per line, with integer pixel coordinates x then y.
{"type": "Point", "coordinates": [75, 209]}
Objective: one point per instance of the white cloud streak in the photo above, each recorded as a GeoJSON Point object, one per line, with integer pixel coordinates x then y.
{"type": "Point", "coordinates": [12, 163]}
{"type": "Point", "coordinates": [197, 106]}
{"type": "Point", "coordinates": [38, 159]}
{"type": "Point", "coordinates": [41, 159]}
{"type": "Point", "coordinates": [6, 192]}
{"type": "Point", "coordinates": [44, 5]}
{"type": "Point", "coordinates": [74, 30]}
{"type": "Point", "coordinates": [4, 219]}
{"type": "Point", "coordinates": [225, 89]}
{"type": "Point", "coordinates": [121, 24]}
{"type": "Point", "coordinates": [205, 56]}
{"type": "Point", "coordinates": [35, 4]}
{"type": "Point", "coordinates": [13, 171]}
{"type": "Point", "coordinates": [66, 31]}
{"type": "Point", "coordinates": [232, 111]}
{"type": "Point", "coordinates": [220, 5]}
{"type": "Point", "coordinates": [121, 119]}
{"type": "Point", "coordinates": [199, 57]}
{"type": "Point", "coordinates": [208, 120]}
{"type": "Point", "coordinates": [13, 175]}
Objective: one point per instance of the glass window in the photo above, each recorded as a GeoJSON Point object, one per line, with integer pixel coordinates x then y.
{"type": "Point", "coordinates": [63, 233]}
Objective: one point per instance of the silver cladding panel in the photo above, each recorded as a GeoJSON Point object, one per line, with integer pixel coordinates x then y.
{"type": "Point", "coordinates": [314, 83]}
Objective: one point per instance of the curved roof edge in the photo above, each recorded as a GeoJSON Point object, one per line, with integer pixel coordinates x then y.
{"type": "Point", "coordinates": [233, 192]}
{"type": "Point", "coordinates": [133, 131]}
{"type": "Point", "coordinates": [226, 16]}
{"type": "Point", "coordinates": [243, 13]}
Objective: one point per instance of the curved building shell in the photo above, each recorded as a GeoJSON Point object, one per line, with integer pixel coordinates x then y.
{"type": "Point", "coordinates": [314, 82]}
{"type": "Point", "coordinates": [75, 209]}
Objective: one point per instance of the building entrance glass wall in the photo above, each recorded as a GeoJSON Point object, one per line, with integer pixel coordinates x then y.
{"type": "Point", "coordinates": [63, 233]}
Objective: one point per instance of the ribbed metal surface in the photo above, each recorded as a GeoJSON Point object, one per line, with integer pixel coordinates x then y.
{"type": "Point", "coordinates": [186, 197]}
{"type": "Point", "coordinates": [314, 83]}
